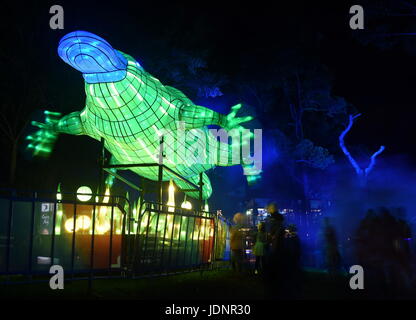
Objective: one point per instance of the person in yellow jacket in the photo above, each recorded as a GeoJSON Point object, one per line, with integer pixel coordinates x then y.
{"type": "Point", "coordinates": [237, 243]}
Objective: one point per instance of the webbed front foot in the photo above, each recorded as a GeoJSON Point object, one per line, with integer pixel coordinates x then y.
{"type": "Point", "coordinates": [42, 141]}
{"type": "Point", "coordinates": [233, 122]}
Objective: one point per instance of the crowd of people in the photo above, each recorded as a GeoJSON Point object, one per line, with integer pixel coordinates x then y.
{"type": "Point", "coordinates": [381, 244]}
{"type": "Point", "coordinates": [383, 249]}
{"type": "Point", "coordinates": [277, 252]}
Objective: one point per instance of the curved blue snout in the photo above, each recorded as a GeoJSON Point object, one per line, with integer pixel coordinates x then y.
{"type": "Point", "coordinates": [93, 56]}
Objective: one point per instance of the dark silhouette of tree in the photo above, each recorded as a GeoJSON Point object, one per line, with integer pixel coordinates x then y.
{"type": "Point", "coordinates": [188, 71]}
{"type": "Point", "coordinates": [21, 84]}
{"type": "Point", "coordinates": [389, 24]}
{"type": "Point", "coordinates": [306, 90]}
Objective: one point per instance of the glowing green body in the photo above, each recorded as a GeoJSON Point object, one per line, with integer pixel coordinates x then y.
{"type": "Point", "coordinates": [130, 113]}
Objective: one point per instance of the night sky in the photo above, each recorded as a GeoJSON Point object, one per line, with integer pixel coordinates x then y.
{"type": "Point", "coordinates": [379, 83]}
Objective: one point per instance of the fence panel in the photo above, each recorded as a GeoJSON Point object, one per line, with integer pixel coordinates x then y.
{"type": "Point", "coordinates": [102, 237]}
{"type": "Point", "coordinates": [39, 230]}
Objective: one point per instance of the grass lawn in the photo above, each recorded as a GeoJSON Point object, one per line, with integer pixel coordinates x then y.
{"type": "Point", "coordinates": [217, 284]}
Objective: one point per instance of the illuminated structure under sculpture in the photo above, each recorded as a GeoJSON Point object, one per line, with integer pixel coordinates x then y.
{"type": "Point", "coordinates": [127, 107]}
{"type": "Point", "coordinates": [104, 235]}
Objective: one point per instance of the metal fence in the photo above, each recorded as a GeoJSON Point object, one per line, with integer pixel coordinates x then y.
{"type": "Point", "coordinates": [102, 236]}
{"type": "Point", "coordinates": [169, 239]}
{"type": "Point", "coordinates": [38, 230]}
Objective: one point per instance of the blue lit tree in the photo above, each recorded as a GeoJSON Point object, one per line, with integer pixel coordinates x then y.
{"type": "Point", "coordinates": [361, 173]}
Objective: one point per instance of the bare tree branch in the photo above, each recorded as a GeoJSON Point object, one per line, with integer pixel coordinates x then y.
{"type": "Point", "coordinates": [6, 127]}
{"type": "Point", "coordinates": [344, 148]}
{"type": "Point", "coordinates": [373, 161]}
{"type": "Point", "coordinates": [358, 170]}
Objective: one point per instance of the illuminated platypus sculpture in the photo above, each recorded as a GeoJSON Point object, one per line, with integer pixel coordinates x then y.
{"type": "Point", "coordinates": [129, 108]}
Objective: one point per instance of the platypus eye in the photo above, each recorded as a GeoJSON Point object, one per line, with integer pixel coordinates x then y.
{"type": "Point", "coordinates": [93, 56]}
